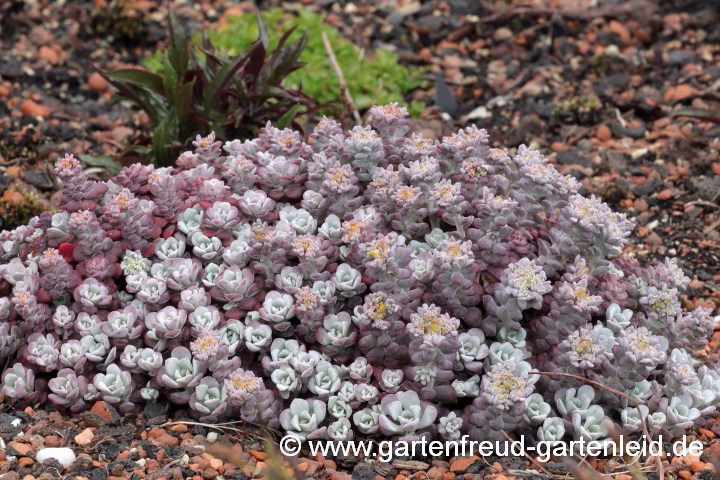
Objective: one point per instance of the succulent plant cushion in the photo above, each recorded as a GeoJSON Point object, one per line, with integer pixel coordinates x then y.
{"type": "Point", "coordinates": [360, 283]}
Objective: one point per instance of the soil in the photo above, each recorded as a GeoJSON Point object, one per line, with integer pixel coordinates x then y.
{"type": "Point", "coordinates": [597, 84]}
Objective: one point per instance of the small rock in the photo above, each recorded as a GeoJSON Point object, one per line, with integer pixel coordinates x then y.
{"type": "Point", "coordinates": [680, 93]}
{"type": "Point", "coordinates": [654, 239]}
{"type": "Point", "coordinates": [97, 83]}
{"type": "Point", "coordinates": [38, 179]}
{"type": "Point", "coordinates": [665, 194]}
{"type": "Point", "coordinates": [84, 437]}
{"type": "Point", "coordinates": [462, 463]}
{"type": "Point", "coordinates": [680, 57]}
{"type": "Point", "coordinates": [48, 54]}
{"type": "Point", "coordinates": [502, 34]}
{"type": "Point", "coordinates": [29, 107]}
{"type": "Point", "coordinates": [155, 409]}
{"type": "Point", "coordinates": [212, 437]}
{"type": "Point", "coordinates": [180, 428]}
{"type": "Point", "coordinates": [25, 461]}
{"type": "Point", "coordinates": [53, 441]}
{"type": "Point", "coordinates": [362, 471]}
{"type": "Point", "coordinates": [106, 412]}
{"type": "Point", "coordinates": [640, 205]}
{"type": "Point", "coordinates": [435, 473]}
{"type": "Point", "coordinates": [22, 449]}
{"type": "Point", "coordinates": [64, 456]}
{"type": "Point", "coordinates": [603, 133]}
{"type": "Point", "coordinates": [259, 455]}
{"type": "Point", "coordinates": [119, 134]}
{"type": "Point", "coordinates": [480, 112]}
{"type": "Point", "coordinates": [620, 30]}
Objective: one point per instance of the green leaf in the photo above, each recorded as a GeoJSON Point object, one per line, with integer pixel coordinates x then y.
{"type": "Point", "coordinates": [288, 118]}
{"type": "Point", "coordinates": [163, 138]}
{"type": "Point", "coordinates": [178, 51]}
{"type": "Point", "coordinates": [263, 31]}
{"type": "Point", "coordinates": [140, 78]}
{"type": "Point", "coordinates": [699, 113]}
{"type": "Point", "coordinates": [104, 161]}
{"type": "Point", "coordinates": [183, 105]}
{"type": "Point", "coordinates": [228, 71]}
{"type": "Point", "coordinates": [170, 81]}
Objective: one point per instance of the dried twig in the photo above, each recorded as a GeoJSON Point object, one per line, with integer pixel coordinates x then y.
{"type": "Point", "coordinates": [341, 78]}
{"type": "Point", "coordinates": [592, 382]}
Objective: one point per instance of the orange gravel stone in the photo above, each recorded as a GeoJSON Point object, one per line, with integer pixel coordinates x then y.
{"type": "Point", "coordinates": [463, 463]}
{"type": "Point", "coordinates": [621, 30]}
{"type": "Point", "coordinates": [603, 133]}
{"type": "Point", "coordinates": [97, 83]}
{"type": "Point", "coordinates": [665, 194]}
{"type": "Point", "coordinates": [29, 107]}
{"type": "Point", "coordinates": [680, 93]}
{"type": "Point", "coordinates": [258, 455]}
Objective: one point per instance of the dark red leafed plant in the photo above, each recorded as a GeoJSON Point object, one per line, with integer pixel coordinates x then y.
{"type": "Point", "coordinates": [196, 92]}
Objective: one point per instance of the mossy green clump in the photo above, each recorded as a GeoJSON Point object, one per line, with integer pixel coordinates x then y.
{"type": "Point", "coordinates": [375, 79]}
{"type": "Point", "coordinates": [579, 109]}
{"type": "Point", "coordinates": [18, 205]}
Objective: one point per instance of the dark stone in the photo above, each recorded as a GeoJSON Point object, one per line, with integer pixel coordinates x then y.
{"type": "Point", "coordinates": [612, 83]}
{"type": "Point", "coordinates": [174, 452]}
{"type": "Point", "coordinates": [118, 467]}
{"type": "Point", "coordinates": [620, 131]}
{"type": "Point", "coordinates": [156, 409]}
{"type": "Point", "coordinates": [477, 467]}
{"type": "Point", "coordinates": [459, 7]}
{"type": "Point", "coordinates": [38, 179]}
{"type": "Point", "coordinates": [50, 465]}
{"type": "Point", "coordinates": [346, 461]}
{"type": "Point", "coordinates": [198, 430]}
{"type": "Point", "coordinates": [11, 68]}
{"type": "Point", "coordinates": [431, 22]}
{"type": "Point", "coordinates": [649, 187]}
{"type": "Point", "coordinates": [110, 448]}
{"type": "Point", "coordinates": [681, 57]}
{"type": "Point", "coordinates": [363, 471]}
{"type": "Point", "coordinates": [98, 474]}
{"type": "Point", "coordinates": [571, 156]}
{"type": "Point", "coordinates": [7, 419]}
{"type": "Point", "coordinates": [61, 131]}
{"type": "Point", "coordinates": [82, 466]}
{"type": "Point", "coordinates": [236, 475]}
{"type": "Point", "coordinates": [529, 127]}
{"type": "Point", "coordinates": [150, 449]}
